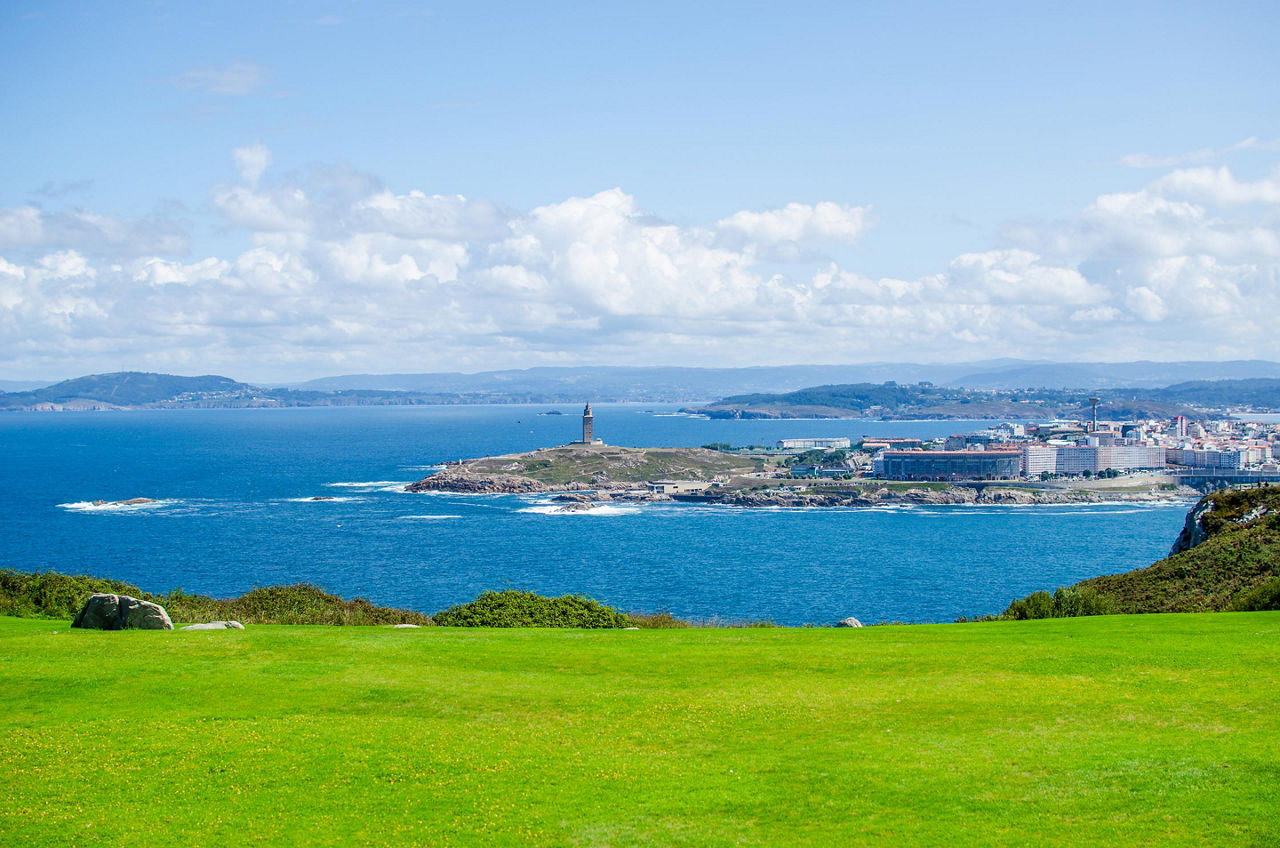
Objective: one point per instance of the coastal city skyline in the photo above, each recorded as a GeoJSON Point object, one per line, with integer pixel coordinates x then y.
{"type": "Point", "coordinates": [364, 188]}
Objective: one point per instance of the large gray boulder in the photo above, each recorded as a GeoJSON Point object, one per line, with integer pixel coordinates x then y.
{"type": "Point", "coordinates": [120, 612]}
{"type": "Point", "coordinates": [215, 625]}
{"type": "Point", "coordinates": [848, 622]}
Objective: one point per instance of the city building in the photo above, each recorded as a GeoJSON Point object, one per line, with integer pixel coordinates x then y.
{"type": "Point", "coordinates": [839, 443]}
{"type": "Point", "coordinates": [951, 465]}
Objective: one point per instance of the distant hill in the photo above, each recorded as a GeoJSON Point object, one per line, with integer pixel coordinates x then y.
{"type": "Point", "coordinates": [129, 389]}
{"type": "Point", "coordinates": [892, 400]}
{"type": "Point", "coordinates": [844, 399]}
{"type": "Point", "coordinates": [1088, 376]}
{"type": "Point", "coordinates": [682, 385]}
{"type": "Point", "coordinates": [640, 383]}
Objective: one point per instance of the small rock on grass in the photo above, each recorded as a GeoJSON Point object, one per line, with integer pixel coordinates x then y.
{"type": "Point", "coordinates": [216, 625]}
{"type": "Point", "coordinates": [405, 626]}
{"type": "Point", "coordinates": [848, 622]}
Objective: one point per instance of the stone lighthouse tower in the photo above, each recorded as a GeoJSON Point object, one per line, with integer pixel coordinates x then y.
{"type": "Point", "coordinates": [588, 426]}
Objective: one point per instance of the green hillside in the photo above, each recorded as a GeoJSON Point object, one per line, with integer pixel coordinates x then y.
{"type": "Point", "coordinates": [1236, 565]}
{"type": "Point", "coordinates": [1121, 730]}
{"type": "Point", "coordinates": [129, 388]}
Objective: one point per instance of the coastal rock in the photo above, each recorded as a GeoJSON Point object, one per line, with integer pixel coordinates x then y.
{"type": "Point", "coordinates": [1007, 496]}
{"type": "Point", "coordinates": [452, 480]}
{"type": "Point", "coordinates": [126, 502]}
{"type": "Point", "coordinates": [1193, 532]}
{"type": "Point", "coordinates": [120, 612]}
{"type": "Point", "coordinates": [950, 495]}
{"type": "Point", "coordinates": [215, 625]}
{"type": "Point", "coordinates": [576, 506]}
{"type": "Point", "coordinates": [848, 622]}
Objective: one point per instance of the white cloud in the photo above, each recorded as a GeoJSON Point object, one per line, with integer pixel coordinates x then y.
{"type": "Point", "coordinates": [1203, 156]}
{"type": "Point", "coordinates": [1217, 186]}
{"type": "Point", "coordinates": [800, 222]}
{"type": "Point", "coordinates": [237, 79]}
{"type": "Point", "coordinates": [340, 274]}
{"type": "Point", "coordinates": [251, 161]}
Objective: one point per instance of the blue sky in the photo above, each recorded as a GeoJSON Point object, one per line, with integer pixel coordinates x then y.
{"type": "Point", "coordinates": [998, 179]}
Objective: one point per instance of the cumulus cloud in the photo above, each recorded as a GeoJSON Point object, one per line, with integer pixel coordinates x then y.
{"type": "Point", "coordinates": [800, 222]}
{"type": "Point", "coordinates": [237, 79]}
{"type": "Point", "coordinates": [341, 273]}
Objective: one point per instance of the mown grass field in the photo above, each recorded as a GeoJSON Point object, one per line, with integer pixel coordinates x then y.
{"type": "Point", "coordinates": [1137, 730]}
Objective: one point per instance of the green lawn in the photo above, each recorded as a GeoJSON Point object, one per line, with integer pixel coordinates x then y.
{"type": "Point", "coordinates": [1135, 730]}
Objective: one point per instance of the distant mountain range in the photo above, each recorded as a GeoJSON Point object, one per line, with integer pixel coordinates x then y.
{"type": "Point", "coordinates": [1216, 384]}
{"type": "Point", "coordinates": [684, 384]}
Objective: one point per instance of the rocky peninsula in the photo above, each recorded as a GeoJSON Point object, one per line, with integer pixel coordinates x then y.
{"type": "Point", "coordinates": [581, 476]}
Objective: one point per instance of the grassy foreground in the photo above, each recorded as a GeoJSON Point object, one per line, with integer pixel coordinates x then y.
{"type": "Point", "coordinates": [1125, 730]}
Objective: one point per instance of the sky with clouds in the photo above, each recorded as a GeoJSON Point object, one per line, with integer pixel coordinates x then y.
{"type": "Point", "coordinates": [288, 190]}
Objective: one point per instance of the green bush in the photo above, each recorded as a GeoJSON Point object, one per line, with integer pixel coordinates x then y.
{"type": "Point", "coordinates": [1065, 602]}
{"type": "Point", "coordinates": [1263, 597]}
{"type": "Point", "coordinates": [515, 608]}
{"type": "Point", "coordinates": [658, 621]}
{"type": "Point", "coordinates": [47, 594]}
{"type": "Point", "coordinates": [1035, 605]}
{"type": "Point", "coordinates": [1073, 601]}
{"type": "Point", "coordinates": [301, 603]}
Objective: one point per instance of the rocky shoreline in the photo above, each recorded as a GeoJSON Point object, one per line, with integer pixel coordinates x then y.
{"type": "Point", "coordinates": [579, 496]}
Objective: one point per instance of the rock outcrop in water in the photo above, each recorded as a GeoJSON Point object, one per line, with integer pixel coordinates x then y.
{"type": "Point", "coordinates": [126, 502]}
{"type": "Point", "coordinates": [450, 480]}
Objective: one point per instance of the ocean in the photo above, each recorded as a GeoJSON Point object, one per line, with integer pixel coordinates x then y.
{"type": "Point", "coordinates": [234, 511]}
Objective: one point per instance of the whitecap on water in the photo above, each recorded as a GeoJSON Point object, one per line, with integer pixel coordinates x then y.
{"type": "Point", "coordinates": [602, 509]}
{"type": "Point", "coordinates": [116, 506]}
{"type": "Point", "coordinates": [325, 499]}
{"type": "Point", "coordinates": [373, 485]}
{"type": "Point", "coordinates": [428, 517]}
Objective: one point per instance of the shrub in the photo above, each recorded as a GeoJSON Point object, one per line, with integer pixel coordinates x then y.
{"type": "Point", "coordinates": [1035, 605]}
{"type": "Point", "coordinates": [516, 608]}
{"type": "Point", "coordinates": [1072, 601]}
{"type": "Point", "coordinates": [47, 594]}
{"type": "Point", "coordinates": [301, 603]}
{"type": "Point", "coordinates": [1265, 596]}
{"type": "Point", "coordinates": [1065, 602]}
{"type": "Point", "coordinates": [658, 621]}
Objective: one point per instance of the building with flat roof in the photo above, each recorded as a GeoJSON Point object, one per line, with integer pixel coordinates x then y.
{"type": "Point", "coordinates": [838, 443]}
{"type": "Point", "coordinates": [952, 465]}
{"type": "Point", "coordinates": [676, 487]}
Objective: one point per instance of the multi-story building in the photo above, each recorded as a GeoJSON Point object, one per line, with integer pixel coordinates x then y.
{"type": "Point", "coordinates": [840, 443]}
{"type": "Point", "coordinates": [951, 465]}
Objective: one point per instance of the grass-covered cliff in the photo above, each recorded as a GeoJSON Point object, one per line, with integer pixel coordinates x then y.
{"type": "Point", "coordinates": [1226, 558]}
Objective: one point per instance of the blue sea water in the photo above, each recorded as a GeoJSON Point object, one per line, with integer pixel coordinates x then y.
{"type": "Point", "coordinates": [235, 512]}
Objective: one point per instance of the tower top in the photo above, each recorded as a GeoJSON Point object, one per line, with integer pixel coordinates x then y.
{"type": "Point", "coordinates": [587, 411]}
